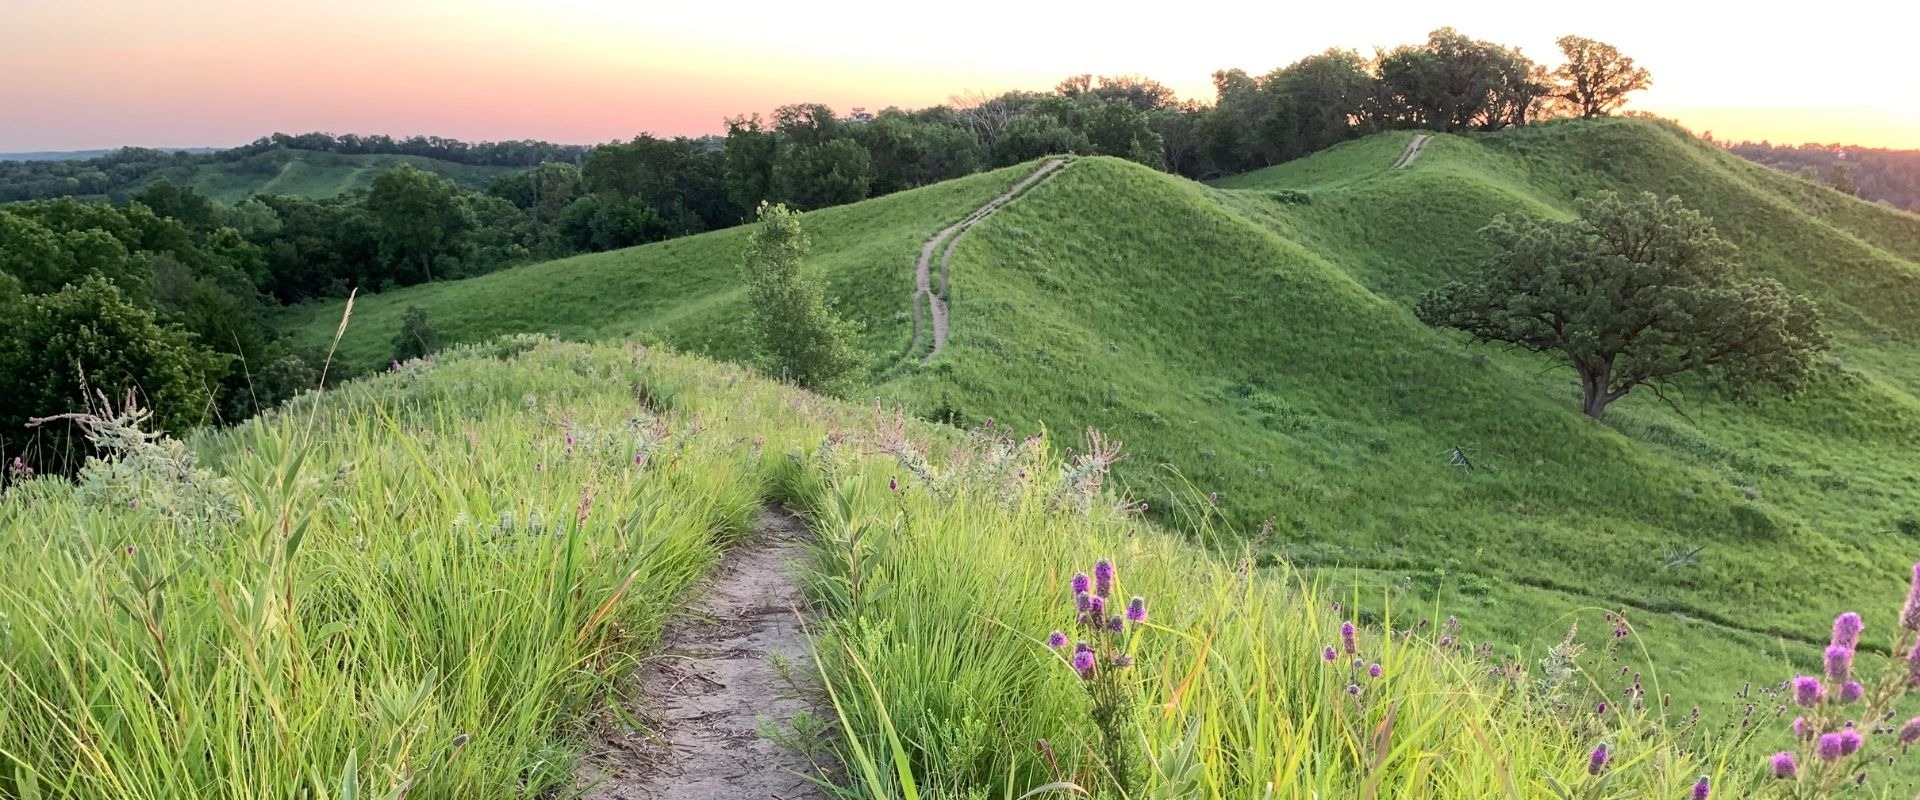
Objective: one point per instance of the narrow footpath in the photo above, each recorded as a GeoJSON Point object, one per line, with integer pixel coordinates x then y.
{"type": "Point", "coordinates": [718, 673]}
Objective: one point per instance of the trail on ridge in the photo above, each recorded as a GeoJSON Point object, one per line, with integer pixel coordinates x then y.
{"type": "Point", "coordinates": [1412, 153]}
{"type": "Point", "coordinates": [718, 673]}
{"type": "Point", "coordinates": [923, 268]}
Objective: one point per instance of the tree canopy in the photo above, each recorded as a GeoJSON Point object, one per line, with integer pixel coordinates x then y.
{"type": "Point", "coordinates": [1634, 292]}
{"type": "Point", "coordinates": [794, 331]}
{"type": "Point", "coordinates": [1596, 78]}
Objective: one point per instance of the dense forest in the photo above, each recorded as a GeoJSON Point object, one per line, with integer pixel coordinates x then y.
{"type": "Point", "coordinates": [164, 290]}
{"type": "Point", "coordinates": [1889, 177]}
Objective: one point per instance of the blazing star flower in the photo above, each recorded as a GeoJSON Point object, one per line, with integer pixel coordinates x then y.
{"type": "Point", "coordinates": [1375, 671]}
{"type": "Point", "coordinates": [1600, 709]}
{"type": "Point", "coordinates": [1701, 788]}
{"type": "Point", "coordinates": [1839, 664]}
{"type": "Point", "coordinates": [1910, 615]}
{"type": "Point", "coordinates": [1597, 760]}
{"type": "Point", "coordinates": [1328, 655]}
{"type": "Point", "coordinates": [1851, 691]}
{"type": "Point", "coordinates": [1913, 667]}
{"type": "Point", "coordinates": [1115, 624]}
{"type": "Point", "coordinates": [1081, 583]}
{"type": "Point", "coordinates": [1097, 608]}
{"type": "Point", "coordinates": [1807, 691]}
{"type": "Point", "coordinates": [1830, 747]}
{"type": "Point", "coordinates": [1083, 663]}
{"type": "Point", "coordinates": [1103, 578]}
{"type": "Point", "coordinates": [1910, 732]}
{"type": "Point", "coordinates": [1122, 660]}
{"type": "Point", "coordinates": [1057, 640]}
{"type": "Point", "coordinates": [893, 484]}
{"type": "Point", "coordinates": [1446, 641]}
{"type": "Point", "coordinates": [1353, 689]}
{"type": "Point", "coordinates": [1346, 638]}
{"type": "Point", "coordinates": [1137, 610]}
{"type": "Point", "coordinates": [639, 458]}
{"type": "Point", "coordinates": [1846, 630]}
{"type": "Point", "coordinates": [1784, 766]}
{"type": "Point", "coordinates": [1082, 601]}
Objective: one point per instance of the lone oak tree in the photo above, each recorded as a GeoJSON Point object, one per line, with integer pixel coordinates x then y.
{"type": "Point", "coordinates": [1632, 293]}
{"type": "Point", "coordinates": [1596, 78]}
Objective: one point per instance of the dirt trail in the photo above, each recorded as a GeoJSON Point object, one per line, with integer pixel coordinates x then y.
{"type": "Point", "coordinates": [712, 682]}
{"type": "Point", "coordinates": [923, 269]}
{"type": "Point", "coordinates": [1412, 153]}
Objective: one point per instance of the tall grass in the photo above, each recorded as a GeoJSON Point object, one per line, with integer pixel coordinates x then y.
{"type": "Point", "coordinates": [939, 595]}
{"type": "Point", "coordinates": [421, 593]}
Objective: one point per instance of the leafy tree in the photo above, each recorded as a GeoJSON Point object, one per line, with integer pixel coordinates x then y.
{"type": "Point", "coordinates": [1115, 128]}
{"type": "Point", "coordinates": [819, 175]}
{"type": "Point", "coordinates": [1454, 83]}
{"type": "Point", "coordinates": [182, 203]}
{"type": "Point", "coordinates": [750, 153]}
{"type": "Point", "coordinates": [793, 329]}
{"type": "Point", "coordinates": [416, 338]}
{"type": "Point", "coordinates": [88, 337]}
{"type": "Point", "coordinates": [1634, 292]}
{"type": "Point", "coordinates": [1596, 78]}
{"type": "Point", "coordinates": [1032, 135]}
{"type": "Point", "coordinates": [417, 218]}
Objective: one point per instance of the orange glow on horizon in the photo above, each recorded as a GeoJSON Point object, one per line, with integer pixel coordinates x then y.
{"type": "Point", "coordinates": [220, 72]}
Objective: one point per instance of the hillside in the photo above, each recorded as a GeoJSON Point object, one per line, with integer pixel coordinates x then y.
{"type": "Point", "coordinates": [1255, 338]}
{"type": "Point", "coordinates": [444, 582]}
{"type": "Point", "coordinates": [307, 173]}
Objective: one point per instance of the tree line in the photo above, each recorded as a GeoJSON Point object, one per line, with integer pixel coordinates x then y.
{"type": "Point", "coordinates": [1879, 175]}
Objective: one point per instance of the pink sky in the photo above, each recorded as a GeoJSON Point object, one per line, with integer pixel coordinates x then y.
{"type": "Point", "coordinates": [103, 73]}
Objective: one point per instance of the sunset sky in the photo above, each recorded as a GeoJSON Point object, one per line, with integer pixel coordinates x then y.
{"type": "Point", "coordinates": [82, 74]}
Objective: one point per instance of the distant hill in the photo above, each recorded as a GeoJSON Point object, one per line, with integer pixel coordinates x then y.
{"type": "Point", "coordinates": [313, 165]}
{"type": "Point", "coordinates": [82, 155]}
{"type": "Point", "coordinates": [1255, 338]}
{"type": "Point", "coordinates": [1889, 177]}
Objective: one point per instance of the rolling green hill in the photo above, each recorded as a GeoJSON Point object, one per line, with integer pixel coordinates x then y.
{"type": "Point", "coordinates": [1255, 338]}
{"type": "Point", "coordinates": [308, 173]}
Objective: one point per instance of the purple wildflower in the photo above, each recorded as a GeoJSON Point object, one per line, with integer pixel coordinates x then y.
{"type": "Point", "coordinates": [1446, 641]}
{"type": "Point", "coordinates": [1784, 766]}
{"type": "Point", "coordinates": [1850, 742]}
{"type": "Point", "coordinates": [1115, 624]}
{"type": "Point", "coordinates": [1103, 578]}
{"type": "Point", "coordinates": [1701, 788]}
{"type": "Point", "coordinates": [1846, 630]}
{"type": "Point", "coordinates": [1910, 732]}
{"type": "Point", "coordinates": [1328, 655]}
{"type": "Point", "coordinates": [1057, 640]}
{"type": "Point", "coordinates": [893, 484]}
{"type": "Point", "coordinates": [1800, 729]}
{"type": "Point", "coordinates": [1346, 638]}
{"type": "Point", "coordinates": [1122, 660]}
{"type": "Point", "coordinates": [1600, 709]}
{"type": "Point", "coordinates": [1082, 601]}
{"type": "Point", "coordinates": [1359, 664]}
{"type": "Point", "coordinates": [1807, 691]}
{"type": "Point", "coordinates": [1353, 689]}
{"type": "Point", "coordinates": [639, 458]}
{"type": "Point", "coordinates": [1083, 663]}
{"type": "Point", "coordinates": [1097, 608]}
{"type": "Point", "coordinates": [1913, 666]}
{"type": "Point", "coordinates": [1081, 583]}
{"type": "Point", "coordinates": [1597, 760]}
{"type": "Point", "coordinates": [1839, 664]}
{"type": "Point", "coordinates": [1910, 616]}
{"type": "Point", "coordinates": [1851, 691]}
{"type": "Point", "coordinates": [1375, 671]}
{"type": "Point", "coordinates": [1137, 610]}
{"type": "Point", "coordinates": [1830, 747]}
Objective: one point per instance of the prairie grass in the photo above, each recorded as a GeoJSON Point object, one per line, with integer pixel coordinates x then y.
{"type": "Point", "coordinates": [1255, 338]}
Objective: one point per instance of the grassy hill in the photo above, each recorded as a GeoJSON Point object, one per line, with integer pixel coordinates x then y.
{"type": "Point", "coordinates": [1255, 339]}
{"type": "Point", "coordinates": [436, 583]}
{"type": "Point", "coordinates": [307, 173]}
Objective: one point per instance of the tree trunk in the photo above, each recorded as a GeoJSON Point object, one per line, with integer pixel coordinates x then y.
{"type": "Point", "coordinates": [1594, 395]}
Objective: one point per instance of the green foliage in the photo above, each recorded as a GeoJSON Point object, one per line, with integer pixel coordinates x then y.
{"type": "Point", "coordinates": [1634, 292]}
{"type": "Point", "coordinates": [800, 338]}
{"type": "Point", "coordinates": [85, 342]}
{"type": "Point", "coordinates": [416, 338]}
{"type": "Point", "coordinates": [830, 173]}
{"type": "Point", "coordinates": [417, 219]}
